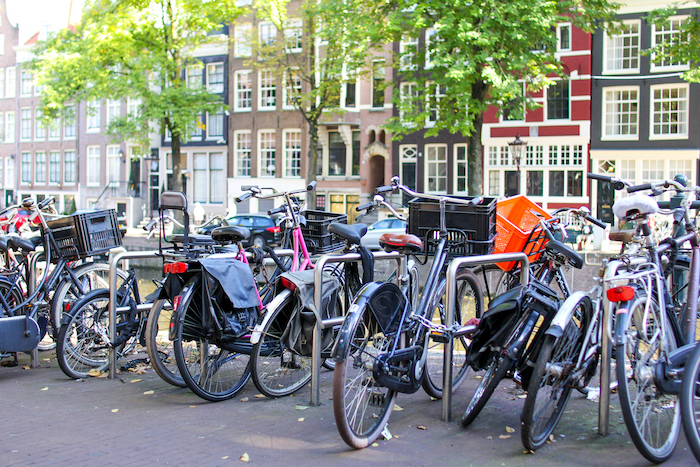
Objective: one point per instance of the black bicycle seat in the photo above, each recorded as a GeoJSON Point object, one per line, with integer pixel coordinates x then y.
{"type": "Point", "coordinates": [575, 259]}
{"type": "Point", "coordinates": [352, 233]}
{"type": "Point", "coordinates": [230, 234]}
{"type": "Point", "coordinates": [192, 239]}
{"type": "Point", "coordinates": [19, 243]}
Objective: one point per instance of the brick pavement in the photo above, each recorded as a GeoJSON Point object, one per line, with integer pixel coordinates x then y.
{"type": "Point", "coordinates": [73, 423]}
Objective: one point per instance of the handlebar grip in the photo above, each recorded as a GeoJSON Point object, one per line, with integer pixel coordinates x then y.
{"type": "Point", "coordinates": [364, 207]}
{"type": "Point", "coordinates": [277, 210]}
{"type": "Point", "coordinates": [595, 221]}
{"type": "Point", "coordinates": [476, 200]}
{"type": "Point", "coordinates": [312, 186]}
{"type": "Point", "coordinates": [148, 227]}
{"type": "Point", "coordinates": [244, 196]}
{"type": "Point", "coordinates": [46, 201]}
{"type": "Point", "coordinates": [667, 204]}
{"type": "Point", "coordinates": [643, 186]}
{"type": "Point", "coordinates": [384, 189]}
{"type": "Point", "coordinates": [602, 178]}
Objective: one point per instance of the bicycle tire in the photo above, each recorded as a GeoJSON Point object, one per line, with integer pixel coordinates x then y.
{"type": "Point", "coordinates": [211, 372]}
{"type": "Point", "coordinates": [655, 432]}
{"type": "Point", "coordinates": [470, 306]}
{"type": "Point", "coordinates": [361, 407]}
{"type": "Point", "coordinates": [93, 276]}
{"type": "Point", "coordinates": [158, 345]}
{"type": "Point", "coordinates": [690, 402]}
{"type": "Point", "coordinates": [276, 369]}
{"type": "Point", "coordinates": [495, 372]}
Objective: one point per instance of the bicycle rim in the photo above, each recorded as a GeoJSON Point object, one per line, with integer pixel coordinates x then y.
{"type": "Point", "coordinates": [690, 402]}
{"type": "Point", "coordinates": [160, 349]}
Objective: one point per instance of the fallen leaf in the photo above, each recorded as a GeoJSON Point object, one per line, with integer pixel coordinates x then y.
{"type": "Point", "coordinates": [46, 359]}
{"type": "Point", "coordinates": [148, 393]}
{"type": "Point", "coordinates": [489, 437]}
{"type": "Point", "coordinates": [478, 376]}
{"type": "Point", "coordinates": [301, 419]}
{"type": "Point", "coordinates": [192, 406]}
{"type": "Point", "coordinates": [522, 396]}
{"type": "Point", "coordinates": [94, 372]}
{"type": "Point", "coordinates": [510, 430]}
{"type": "Point", "coordinates": [301, 407]}
{"type": "Point", "coordinates": [434, 398]}
{"type": "Point", "coordinates": [25, 367]}
{"type": "Point", "coordinates": [374, 445]}
{"type": "Point", "coordinates": [135, 380]}
{"type": "Point", "coordinates": [505, 437]}
{"type": "Point", "coordinates": [225, 457]}
{"type": "Point", "coordinates": [397, 408]}
{"type": "Point", "coordinates": [529, 451]}
{"type": "Point", "coordinates": [115, 410]}
{"type": "Point", "coordinates": [245, 399]}
{"type": "Point", "coordinates": [245, 457]}
{"type": "Point", "coordinates": [260, 396]}
{"type": "Point", "coordinates": [102, 375]}
{"type": "Point", "coordinates": [45, 389]}
{"type": "Point", "coordinates": [421, 427]}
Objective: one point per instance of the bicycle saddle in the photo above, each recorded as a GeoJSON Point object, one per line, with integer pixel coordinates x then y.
{"type": "Point", "coordinates": [24, 244]}
{"type": "Point", "coordinates": [575, 259]}
{"type": "Point", "coordinates": [192, 239]}
{"type": "Point", "coordinates": [352, 233]}
{"type": "Point", "coordinates": [403, 243]}
{"type": "Point", "coordinates": [624, 236]}
{"type": "Point", "coordinates": [230, 234]}
{"type": "Point", "coordinates": [635, 204]}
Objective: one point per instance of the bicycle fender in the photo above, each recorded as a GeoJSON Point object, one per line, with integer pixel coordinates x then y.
{"type": "Point", "coordinates": [355, 313]}
{"type": "Point", "coordinates": [270, 309]}
{"type": "Point", "coordinates": [622, 322]}
{"type": "Point", "coordinates": [564, 314]}
{"type": "Point", "coordinates": [178, 315]}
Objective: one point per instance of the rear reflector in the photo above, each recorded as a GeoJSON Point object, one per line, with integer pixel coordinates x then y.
{"type": "Point", "coordinates": [175, 268]}
{"type": "Point", "coordinates": [287, 284]}
{"type": "Point", "coordinates": [176, 302]}
{"type": "Point", "coordinates": [620, 294]}
{"type": "Point", "coordinates": [275, 229]}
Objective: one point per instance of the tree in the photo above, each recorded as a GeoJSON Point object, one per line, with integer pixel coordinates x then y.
{"type": "Point", "coordinates": [339, 40]}
{"type": "Point", "coordinates": [479, 55]}
{"type": "Point", "coordinates": [135, 49]}
{"type": "Point", "coordinates": [684, 45]}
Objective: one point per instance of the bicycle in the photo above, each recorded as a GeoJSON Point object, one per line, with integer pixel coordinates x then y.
{"type": "Point", "coordinates": [382, 346]}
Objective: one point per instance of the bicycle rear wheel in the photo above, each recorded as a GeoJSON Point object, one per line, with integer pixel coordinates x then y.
{"type": "Point", "coordinates": [469, 305]}
{"type": "Point", "coordinates": [161, 352]}
{"type": "Point", "coordinates": [278, 370]}
{"type": "Point", "coordinates": [652, 417]}
{"type": "Point", "coordinates": [361, 407]}
{"type": "Point", "coordinates": [495, 372]}
{"type": "Point", "coordinates": [210, 371]}
{"type": "Point", "coordinates": [690, 402]}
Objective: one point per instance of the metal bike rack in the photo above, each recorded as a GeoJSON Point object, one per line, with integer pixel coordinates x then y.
{"type": "Point", "coordinates": [31, 286]}
{"type": "Point", "coordinates": [329, 323]}
{"type": "Point", "coordinates": [451, 275]}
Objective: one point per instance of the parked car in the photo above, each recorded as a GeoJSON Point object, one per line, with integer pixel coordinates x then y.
{"type": "Point", "coordinates": [264, 231]}
{"type": "Point", "coordinates": [374, 231]}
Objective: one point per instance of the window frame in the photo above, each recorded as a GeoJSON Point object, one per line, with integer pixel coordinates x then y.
{"type": "Point", "coordinates": [686, 112]}
{"type": "Point", "coordinates": [607, 47]}
{"type": "Point", "coordinates": [271, 149]}
{"type": "Point", "coordinates": [237, 92]}
{"type": "Point", "coordinates": [657, 68]}
{"type": "Point", "coordinates": [216, 87]}
{"type": "Point", "coordinates": [292, 156]}
{"type": "Point", "coordinates": [604, 120]}
{"type": "Point", "coordinates": [238, 151]}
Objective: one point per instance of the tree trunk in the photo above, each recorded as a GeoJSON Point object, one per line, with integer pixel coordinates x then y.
{"type": "Point", "coordinates": [313, 161]}
{"type": "Point", "coordinates": [176, 181]}
{"type": "Point", "coordinates": [475, 161]}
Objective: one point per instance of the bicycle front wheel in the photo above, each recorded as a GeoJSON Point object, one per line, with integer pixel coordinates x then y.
{"type": "Point", "coordinates": [277, 369]}
{"type": "Point", "coordinates": [495, 372]}
{"type": "Point", "coordinates": [210, 371]}
{"type": "Point", "coordinates": [469, 304]}
{"type": "Point", "coordinates": [652, 417]}
{"type": "Point", "coordinates": [161, 352]}
{"type": "Point", "coordinates": [361, 406]}
{"type": "Point", "coordinates": [690, 402]}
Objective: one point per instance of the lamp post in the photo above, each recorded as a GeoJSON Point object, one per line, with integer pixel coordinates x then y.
{"type": "Point", "coordinates": [516, 151]}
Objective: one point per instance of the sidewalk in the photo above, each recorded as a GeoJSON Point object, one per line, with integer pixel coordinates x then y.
{"type": "Point", "coordinates": [138, 419]}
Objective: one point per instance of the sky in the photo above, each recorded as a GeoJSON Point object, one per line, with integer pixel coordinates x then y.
{"type": "Point", "coordinates": [36, 15]}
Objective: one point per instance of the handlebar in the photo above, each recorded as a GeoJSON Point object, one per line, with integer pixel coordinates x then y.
{"type": "Point", "coordinates": [635, 188]}
{"type": "Point", "coordinates": [617, 184]}
{"type": "Point", "coordinates": [595, 221]}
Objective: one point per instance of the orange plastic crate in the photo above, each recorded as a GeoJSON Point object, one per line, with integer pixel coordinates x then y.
{"type": "Point", "coordinates": [516, 217]}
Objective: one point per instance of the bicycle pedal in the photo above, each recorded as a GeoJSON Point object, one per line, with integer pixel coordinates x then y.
{"type": "Point", "coordinates": [439, 336]}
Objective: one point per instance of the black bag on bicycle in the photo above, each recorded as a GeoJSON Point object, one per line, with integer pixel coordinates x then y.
{"type": "Point", "coordinates": [298, 335]}
{"type": "Point", "coordinates": [230, 286]}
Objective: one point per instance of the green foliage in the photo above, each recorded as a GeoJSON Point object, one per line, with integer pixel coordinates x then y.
{"type": "Point", "coordinates": [683, 47]}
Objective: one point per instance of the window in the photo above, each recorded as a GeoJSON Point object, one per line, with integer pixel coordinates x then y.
{"type": "Point", "coordinates": [627, 170]}
{"type": "Point", "coordinates": [293, 35]}
{"type": "Point", "coordinates": [292, 89]}
{"type": "Point", "coordinates": [2, 82]}
{"type": "Point", "coordinates": [10, 172]}
{"type": "Point", "coordinates": [344, 204]}
{"type": "Point", "coordinates": [433, 95]}
{"type": "Point", "coordinates": [661, 36]}
{"type": "Point", "coordinates": [55, 129]}
{"type": "Point", "coordinates": [350, 93]}
{"type": "Point", "coordinates": [337, 154]}
{"type": "Point", "coordinates": [217, 178]}
{"type": "Point", "coordinates": [215, 77]}
{"type": "Point", "coordinates": [620, 107]}
{"type": "Point", "coordinates": [652, 171]}
{"type": "Point", "coordinates": [534, 155]}
{"type": "Point", "coordinates": [461, 162]}
{"type": "Point", "coordinates": [292, 153]}
{"type": "Point", "coordinates": [9, 127]}
{"type": "Point", "coordinates": [676, 167]}
{"type": "Point", "coordinates": [533, 180]}
{"type": "Point", "coordinates": [133, 106]}
{"type": "Point", "coordinates": [407, 51]}
{"type": "Point", "coordinates": [356, 137]}
{"type": "Point", "coordinates": [193, 76]}
{"type": "Point", "coordinates": [430, 35]}
{"type": "Point", "coordinates": [241, 47]}
{"type": "Point", "coordinates": [93, 165]}
{"type": "Point", "coordinates": [25, 123]}
{"type": "Point", "coordinates": [494, 183]}
{"type": "Point", "coordinates": [409, 168]}
{"type": "Point", "coordinates": [564, 37]}
{"type": "Point", "coordinates": [558, 100]}
{"type": "Point", "coordinates": [622, 50]}
{"type": "Point", "coordinates": [69, 127]}
{"type": "Point", "coordinates": [409, 95]}
{"type": "Point", "coordinates": [40, 129]}
{"type": "Point", "coordinates": [574, 183]}
{"type": "Point", "coordinates": [26, 83]}
{"type": "Point", "coordinates": [26, 168]}
{"type": "Point", "coordinates": [243, 99]}
{"type": "Point", "coordinates": [669, 111]}
{"type": "Point", "coordinates": [268, 33]}
{"type": "Point", "coordinates": [378, 77]}
{"type": "Point", "coordinates": [113, 161]}
{"type": "Point", "coordinates": [556, 183]}
{"type": "Point", "coordinates": [54, 167]}
{"type": "Point", "coordinates": [266, 150]}
{"type": "Point", "coordinates": [11, 81]}
{"type": "Point", "coordinates": [93, 116]}
{"type": "Point", "coordinates": [215, 125]}
{"type": "Point", "coordinates": [40, 167]}
{"type": "Point", "coordinates": [267, 90]}
{"type": "Point", "coordinates": [436, 168]}
{"type": "Point", "coordinates": [242, 153]}
{"type": "Point", "coordinates": [198, 129]}
{"type": "Point", "coordinates": [114, 108]}
{"type": "Point", "coordinates": [199, 175]}
{"type": "Point", "coordinates": [69, 168]}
